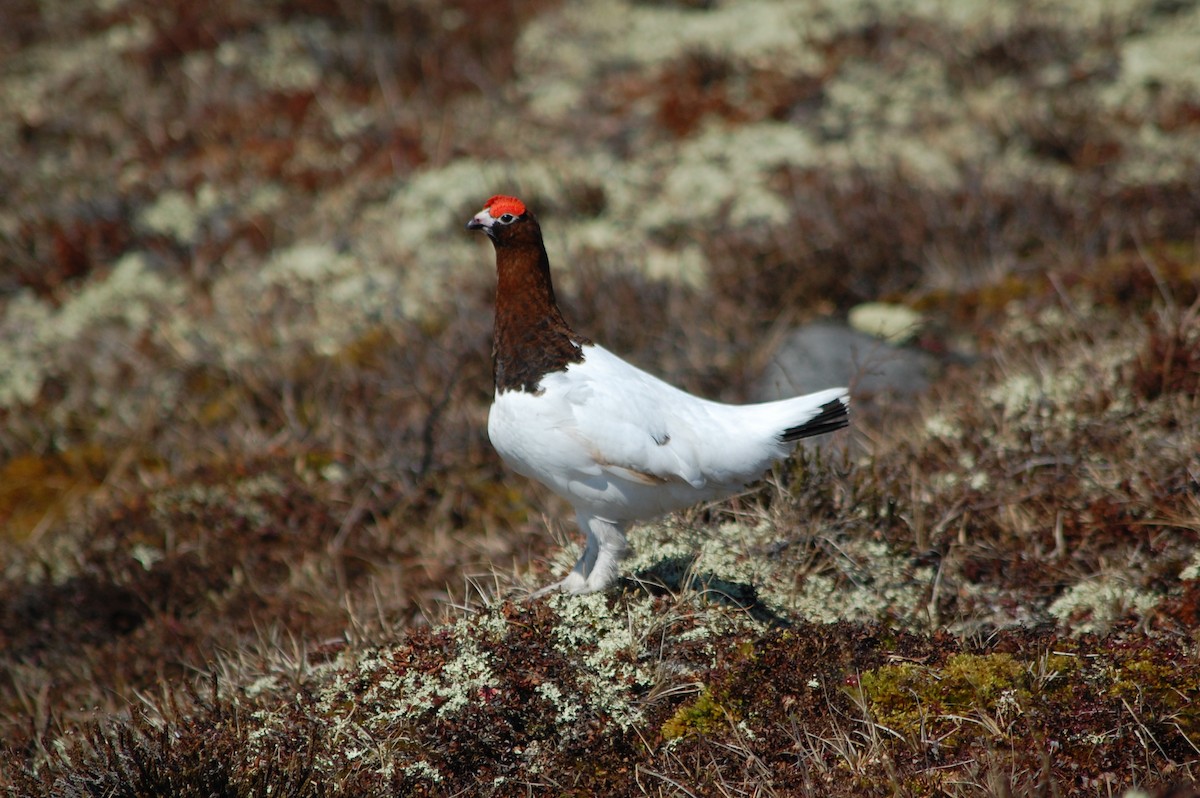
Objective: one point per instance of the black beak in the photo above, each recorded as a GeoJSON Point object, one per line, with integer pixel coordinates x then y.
{"type": "Point", "coordinates": [477, 225]}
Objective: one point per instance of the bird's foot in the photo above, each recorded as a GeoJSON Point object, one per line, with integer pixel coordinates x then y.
{"type": "Point", "coordinates": [573, 584]}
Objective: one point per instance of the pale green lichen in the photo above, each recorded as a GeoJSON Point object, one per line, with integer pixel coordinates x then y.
{"type": "Point", "coordinates": [1041, 397]}
{"type": "Point", "coordinates": [891, 322]}
{"type": "Point", "coordinates": [422, 769]}
{"type": "Point", "coordinates": [365, 704]}
{"type": "Point", "coordinates": [137, 33]}
{"type": "Point", "coordinates": [725, 169]}
{"type": "Point", "coordinates": [607, 643]}
{"type": "Point", "coordinates": [906, 112]}
{"type": "Point", "coordinates": [36, 340]}
{"type": "Point", "coordinates": [22, 357]}
{"type": "Point", "coordinates": [1094, 605]}
{"type": "Point", "coordinates": [1192, 570]}
{"type": "Point", "coordinates": [871, 582]}
{"type": "Point", "coordinates": [146, 556]}
{"type": "Point", "coordinates": [309, 297]}
{"type": "Point", "coordinates": [283, 58]}
{"type": "Point", "coordinates": [445, 691]}
{"type": "Point", "coordinates": [267, 683]}
{"type": "Point", "coordinates": [687, 265]}
{"type": "Point", "coordinates": [1087, 372]}
{"type": "Point", "coordinates": [1165, 53]}
{"type": "Point", "coordinates": [39, 76]}
{"type": "Point", "coordinates": [264, 198]}
{"type": "Point", "coordinates": [179, 214]}
{"type": "Point", "coordinates": [458, 684]}
{"type": "Point", "coordinates": [561, 53]}
{"type": "Point", "coordinates": [910, 121]}
{"type": "Point", "coordinates": [979, 480]}
{"type": "Point", "coordinates": [940, 426]}
{"type": "Point", "coordinates": [307, 262]}
{"type": "Point", "coordinates": [242, 499]}
{"type": "Point", "coordinates": [566, 710]}
{"type": "Point", "coordinates": [868, 581]}
{"type": "Point", "coordinates": [367, 701]}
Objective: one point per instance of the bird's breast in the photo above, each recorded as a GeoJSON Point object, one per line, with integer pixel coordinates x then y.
{"type": "Point", "coordinates": [528, 433]}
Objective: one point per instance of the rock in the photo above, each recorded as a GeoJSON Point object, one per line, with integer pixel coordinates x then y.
{"type": "Point", "coordinates": [825, 354]}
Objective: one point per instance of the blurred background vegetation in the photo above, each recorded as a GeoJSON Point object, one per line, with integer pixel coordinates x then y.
{"type": "Point", "coordinates": [244, 378]}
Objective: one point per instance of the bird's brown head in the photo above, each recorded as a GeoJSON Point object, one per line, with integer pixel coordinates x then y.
{"type": "Point", "coordinates": [507, 222]}
{"type": "Point", "coordinates": [531, 338]}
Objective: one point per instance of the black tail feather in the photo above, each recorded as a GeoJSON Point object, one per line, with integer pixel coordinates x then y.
{"type": "Point", "coordinates": [833, 416]}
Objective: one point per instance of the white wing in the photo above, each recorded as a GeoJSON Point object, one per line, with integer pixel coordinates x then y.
{"type": "Point", "coordinates": [633, 425]}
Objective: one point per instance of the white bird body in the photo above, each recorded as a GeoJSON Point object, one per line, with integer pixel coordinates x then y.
{"type": "Point", "coordinates": [618, 443]}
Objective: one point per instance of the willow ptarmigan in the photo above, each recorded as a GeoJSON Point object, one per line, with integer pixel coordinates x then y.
{"type": "Point", "coordinates": [616, 442]}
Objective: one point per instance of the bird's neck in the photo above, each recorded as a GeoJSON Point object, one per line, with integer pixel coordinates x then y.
{"type": "Point", "coordinates": [531, 338]}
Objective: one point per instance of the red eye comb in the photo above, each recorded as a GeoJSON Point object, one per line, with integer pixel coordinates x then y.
{"type": "Point", "coordinates": [500, 205]}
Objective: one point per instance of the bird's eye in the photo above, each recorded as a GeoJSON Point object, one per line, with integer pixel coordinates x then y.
{"type": "Point", "coordinates": [506, 218]}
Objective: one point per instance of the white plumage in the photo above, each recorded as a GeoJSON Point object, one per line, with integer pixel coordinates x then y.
{"type": "Point", "coordinates": [616, 442]}
{"type": "Point", "coordinates": [621, 445]}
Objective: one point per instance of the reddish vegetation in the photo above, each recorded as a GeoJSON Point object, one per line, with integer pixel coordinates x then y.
{"type": "Point", "coordinates": [63, 252]}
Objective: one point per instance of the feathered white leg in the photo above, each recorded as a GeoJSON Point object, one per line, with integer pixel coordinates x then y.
{"type": "Point", "coordinates": [613, 548]}
{"type": "Point", "coordinates": [600, 564]}
{"type": "Point", "coordinates": [576, 581]}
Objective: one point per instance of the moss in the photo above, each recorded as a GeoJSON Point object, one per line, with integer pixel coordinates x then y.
{"type": "Point", "coordinates": [1159, 690]}
{"type": "Point", "coordinates": [1059, 668]}
{"type": "Point", "coordinates": [910, 699]}
{"type": "Point", "coordinates": [707, 714]}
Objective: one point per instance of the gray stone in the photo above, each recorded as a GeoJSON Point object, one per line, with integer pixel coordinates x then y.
{"type": "Point", "coordinates": [826, 354]}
